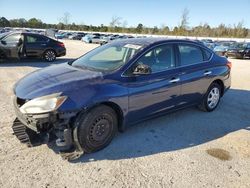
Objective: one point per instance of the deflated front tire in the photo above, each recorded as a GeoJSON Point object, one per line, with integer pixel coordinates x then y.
{"type": "Point", "coordinates": [96, 128]}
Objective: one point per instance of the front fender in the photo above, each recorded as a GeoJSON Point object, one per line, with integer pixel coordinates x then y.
{"type": "Point", "coordinates": [87, 97]}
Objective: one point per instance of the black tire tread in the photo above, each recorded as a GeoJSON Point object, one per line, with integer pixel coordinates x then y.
{"type": "Point", "coordinates": [83, 122]}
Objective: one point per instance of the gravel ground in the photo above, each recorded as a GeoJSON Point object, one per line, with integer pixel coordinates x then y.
{"type": "Point", "coordinates": [188, 148]}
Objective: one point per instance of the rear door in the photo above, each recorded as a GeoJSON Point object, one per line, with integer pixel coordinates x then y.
{"type": "Point", "coordinates": [35, 44]}
{"type": "Point", "coordinates": [156, 92]}
{"type": "Point", "coordinates": [196, 72]}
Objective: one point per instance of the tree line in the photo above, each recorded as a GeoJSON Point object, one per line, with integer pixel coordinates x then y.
{"type": "Point", "coordinates": [120, 26]}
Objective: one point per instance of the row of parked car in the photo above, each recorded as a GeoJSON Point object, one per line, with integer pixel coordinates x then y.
{"type": "Point", "coordinates": [223, 48]}
{"type": "Point", "coordinates": [34, 43]}
{"type": "Point", "coordinates": [232, 49]}
{"type": "Point", "coordinates": [97, 38]}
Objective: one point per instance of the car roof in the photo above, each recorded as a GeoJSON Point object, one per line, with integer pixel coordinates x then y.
{"type": "Point", "coordinates": [151, 40]}
{"type": "Point", "coordinates": [24, 32]}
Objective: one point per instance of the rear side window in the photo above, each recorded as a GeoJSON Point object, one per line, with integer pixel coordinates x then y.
{"type": "Point", "coordinates": [33, 39]}
{"type": "Point", "coordinates": [207, 55]}
{"type": "Point", "coordinates": [190, 54]}
{"type": "Point", "coordinates": [41, 39]}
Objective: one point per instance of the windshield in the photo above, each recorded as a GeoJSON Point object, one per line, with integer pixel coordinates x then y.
{"type": "Point", "coordinates": [220, 47]}
{"type": "Point", "coordinates": [242, 45]}
{"type": "Point", "coordinates": [108, 57]}
{"type": "Point", "coordinates": [2, 35]}
{"type": "Point", "coordinates": [239, 45]}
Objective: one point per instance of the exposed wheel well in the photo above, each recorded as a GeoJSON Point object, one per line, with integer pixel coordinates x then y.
{"type": "Point", "coordinates": [118, 112]}
{"type": "Point", "coordinates": [221, 84]}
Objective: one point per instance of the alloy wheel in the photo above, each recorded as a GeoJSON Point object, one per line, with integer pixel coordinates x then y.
{"type": "Point", "coordinates": [50, 55]}
{"type": "Point", "coordinates": [213, 97]}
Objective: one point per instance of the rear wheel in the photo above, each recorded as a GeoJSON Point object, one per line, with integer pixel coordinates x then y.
{"type": "Point", "coordinates": [49, 55]}
{"type": "Point", "coordinates": [212, 98]}
{"type": "Point", "coordinates": [96, 128]}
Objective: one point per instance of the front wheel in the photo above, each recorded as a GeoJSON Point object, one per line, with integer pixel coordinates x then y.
{"type": "Point", "coordinates": [49, 55]}
{"type": "Point", "coordinates": [96, 128]}
{"type": "Point", "coordinates": [212, 98]}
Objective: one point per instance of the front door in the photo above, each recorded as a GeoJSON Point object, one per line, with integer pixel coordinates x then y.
{"type": "Point", "coordinates": [11, 45]}
{"type": "Point", "coordinates": [156, 92]}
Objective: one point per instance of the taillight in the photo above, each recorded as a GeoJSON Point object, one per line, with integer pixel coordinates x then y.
{"type": "Point", "coordinates": [229, 64]}
{"type": "Point", "coordinates": [61, 44]}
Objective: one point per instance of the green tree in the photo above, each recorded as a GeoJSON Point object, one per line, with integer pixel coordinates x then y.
{"type": "Point", "coordinates": [35, 23]}
{"type": "Point", "coordinates": [155, 30]}
{"type": "Point", "coordinates": [139, 28]}
{"type": "Point", "coordinates": [22, 22]}
{"type": "Point", "coordinates": [4, 22]}
{"type": "Point", "coordinates": [60, 26]}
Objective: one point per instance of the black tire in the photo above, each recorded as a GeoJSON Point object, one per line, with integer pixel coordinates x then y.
{"type": "Point", "coordinates": [206, 104]}
{"type": "Point", "coordinates": [49, 55]}
{"type": "Point", "coordinates": [96, 128]}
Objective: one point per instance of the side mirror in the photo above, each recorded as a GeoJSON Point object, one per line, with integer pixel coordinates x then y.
{"type": "Point", "coordinates": [3, 42]}
{"type": "Point", "coordinates": [142, 69]}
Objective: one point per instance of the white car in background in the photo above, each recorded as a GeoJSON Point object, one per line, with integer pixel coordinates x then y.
{"type": "Point", "coordinates": [91, 39]}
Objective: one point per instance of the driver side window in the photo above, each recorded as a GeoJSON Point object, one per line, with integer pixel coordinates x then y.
{"type": "Point", "coordinates": [159, 59]}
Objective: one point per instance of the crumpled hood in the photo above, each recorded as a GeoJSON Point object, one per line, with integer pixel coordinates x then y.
{"type": "Point", "coordinates": [53, 79]}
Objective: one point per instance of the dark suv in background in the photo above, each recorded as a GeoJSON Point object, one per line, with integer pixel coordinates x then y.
{"type": "Point", "coordinates": [22, 45]}
{"type": "Point", "coordinates": [239, 50]}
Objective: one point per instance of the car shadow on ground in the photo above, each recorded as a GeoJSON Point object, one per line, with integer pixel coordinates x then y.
{"type": "Point", "coordinates": [32, 62]}
{"type": "Point", "coordinates": [179, 130]}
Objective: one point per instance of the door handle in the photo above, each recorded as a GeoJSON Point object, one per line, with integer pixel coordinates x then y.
{"type": "Point", "coordinates": [43, 44]}
{"type": "Point", "coordinates": [206, 73]}
{"type": "Point", "coordinates": [174, 80]}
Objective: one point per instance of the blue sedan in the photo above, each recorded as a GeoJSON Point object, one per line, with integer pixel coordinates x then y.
{"type": "Point", "coordinates": [83, 103]}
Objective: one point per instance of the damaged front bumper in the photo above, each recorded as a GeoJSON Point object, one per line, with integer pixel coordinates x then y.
{"type": "Point", "coordinates": [37, 129]}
